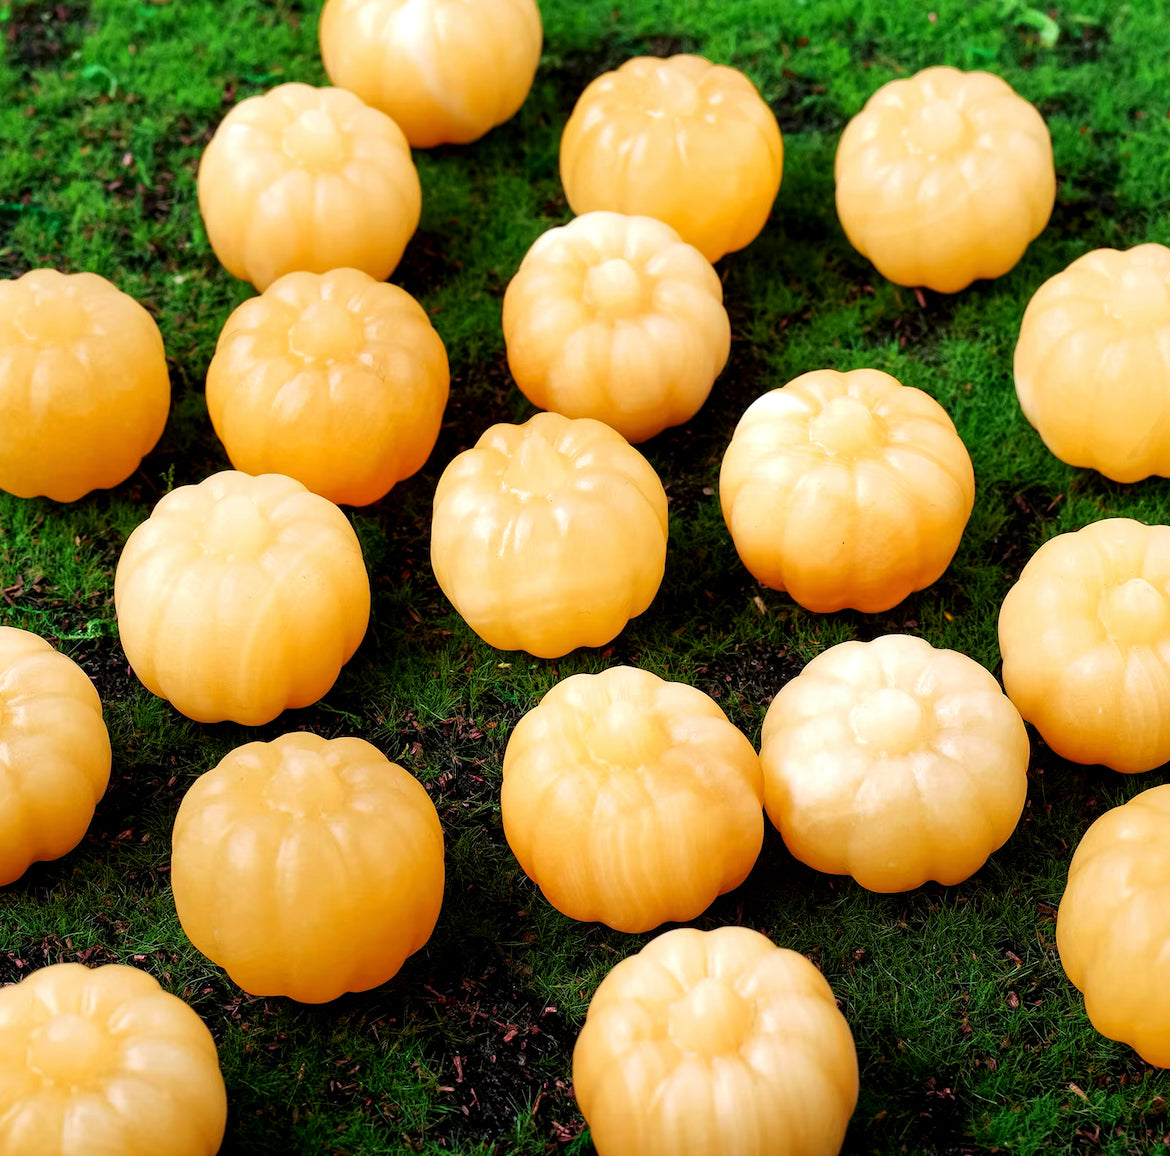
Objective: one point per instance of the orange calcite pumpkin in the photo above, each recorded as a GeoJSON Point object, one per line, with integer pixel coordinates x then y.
{"type": "Point", "coordinates": [104, 1060]}
{"type": "Point", "coordinates": [549, 535]}
{"type": "Point", "coordinates": [307, 867]}
{"type": "Point", "coordinates": [631, 800]}
{"type": "Point", "coordinates": [334, 379]}
{"type": "Point", "coordinates": [54, 753]}
{"type": "Point", "coordinates": [895, 763]}
{"type": "Point", "coordinates": [84, 390]}
{"type": "Point", "coordinates": [447, 71]}
{"type": "Point", "coordinates": [310, 179]}
{"type": "Point", "coordinates": [614, 318]}
{"type": "Point", "coordinates": [684, 140]}
{"type": "Point", "coordinates": [945, 177]}
{"type": "Point", "coordinates": [846, 489]}
{"type": "Point", "coordinates": [1113, 925]}
{"type": "Point", "coordinates": [712, 1044]}
{"type": "Point", "coordinates": [1085, 638]}
{"type": "Point", "coordinates": [1092, 363]}
{"type": "Point", "coordinates": [240, 597]}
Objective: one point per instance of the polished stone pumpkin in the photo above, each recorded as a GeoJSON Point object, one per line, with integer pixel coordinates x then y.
{"type": "Point", "coordinates": [54, 752]}
{"type": "Point", "coordinates": [307, 867]}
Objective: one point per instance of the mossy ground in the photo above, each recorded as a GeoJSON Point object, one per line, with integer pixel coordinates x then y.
{"type": "Point", "coordinates": [970, 1039]}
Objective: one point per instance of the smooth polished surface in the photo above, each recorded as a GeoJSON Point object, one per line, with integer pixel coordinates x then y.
{"type": "Point", "coordinates": [308, 179]}
{"type": "Point", "coordinates": [240, 597]}
{"type": "Point", "coordinates": [84, 389]}
{"type": "Point", "coordinates": [680, 139]}
{"type": "Point", "coordinates": [54, 753]}
{"type": "Point", "coordinates": [446, 71]}
{"type": "Point", "coordinates": [307, 867]}
{"type": "Point", "coordinates": [715, 1043]}
{"type": "Point", "coordinates": [104, 1061]}
{"type": "Point", "coordinates": [631, 800]}
{"type": "Point", "coordinates": [1113, 925]}
{"type": "Point", "coordinates": [846, 490]}
{"type": "Point", "coordinates": [945, 177]}
{"type": "Point", "coordinates": [894, 762]}
{"type": "Point", "coordinates": [1085, 638]}
{"type": "Point", "coordinates": [1092, 363]}
{"type": "Point", "coordinates": [334, 379]}
{"type": "Point", "coordinates": [615, 318]}
{"type": "Point", "coordinates": [549, 535]}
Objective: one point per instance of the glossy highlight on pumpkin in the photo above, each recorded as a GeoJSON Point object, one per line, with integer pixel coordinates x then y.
{"type": "Point", "coordinates": [631, 800]}
{"type": "Point", "coordinates": [307, 867]}
{"type": "Point", "coordinates": [681, 139]}
{"type": "Point", "coordinates": [334, 379]}
{"type": "Point", "coordinates": [615, 318]}
{"type": "Point", "coordinates": [308, 179]}
{"type": "Point", "coordinates": [1085, 638]}
{"type": "Point", "coordinates": [549, 535]}
{"type": "Point", "coordinates": [846, 490]}
{"type": "Point", "coordinates": [945, 177]}
{"type": "Point", "coordinates": [894, 762]}
{"type": "Point", "coordinates": [103, 1060]}
{"type": "Point", "coordinates": [1113, 924]}
{"type": "Point", "coordinates": [240, 597]}
{"type": "Point", "coordinates": [54, 753]}
{"type": "Point", "coordinates": [1092, 363]}
{"type": "Point", "coordinates": [715, 1043]}
{"type": "Point", "coordinates": [446, 71]}
{"type": "Point", "coordinates": [84, 389]}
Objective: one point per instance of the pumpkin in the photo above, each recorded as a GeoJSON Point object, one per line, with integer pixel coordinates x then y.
{"type": "Point", "coordinates": [631, 800]}
{"type": "Point", "coordinates": [846, 489]}
{"type": "Point", "coordinates": [715, 1043]}
{"type": "Point", "coordinates": [334, 379]}
{"type": "Point", "coordinates": [104, 1060]}
{"type": "Point", "coordinates": [84, 390]}
{"type": "Point", "coordinates": [240, 597]}
{"type": "Point", "coordinates": [1084, 636]}
{"type": "Point", "coordinates": [944, 177]}
{"type": "Point", "coordinates": [54, 753]}
{"type": "Point", "coordinates": [549, 535]}
{"type": "Point", "coordinates": [446, 71]}
{"type": "Point", "coordinates": [1092, 363]}
{"type": "Point", "coordinates": [310, 179]}
{"type": "Point", "coordinates": [615, 318]}
{"type": "Point", "coordinates": [307, 867]}
{"type": "Point", "coordinates": [686, 141]}
{"type": "Point", "coordinates": [895, 763]}
{"type": "Point", "coordinates": [1113, 924]}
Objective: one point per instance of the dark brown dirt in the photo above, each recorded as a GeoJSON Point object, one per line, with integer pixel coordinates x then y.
{"type": "Point", "coordinates": [42, 33]}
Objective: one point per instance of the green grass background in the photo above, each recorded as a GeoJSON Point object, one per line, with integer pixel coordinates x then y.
{"type": "Point", "coordinates": [969, 1037]}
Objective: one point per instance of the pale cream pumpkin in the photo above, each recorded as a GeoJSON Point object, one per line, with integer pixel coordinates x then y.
{"type": "Point", "coordinates": [446, 71]}
{"type": "Point", "coordinates": [846, 489]}
{"type": "Point", "coordinates": [103, 1060]}
{"type": "Point", "coordinates": [894, 762]}
{"type": "Point", "coordinates": [240, 597]}
{"type": "Point", "coordinates": [944, 177]}
{"type": "Point", "coordinates": [1092, 363]}
{"type": "Point", "coordinates": [615, 318]}
{"type": "Point", "coordinates": [715, 1043]}
{"type": "Point", "coordinates": [1085, 639]}
{"type": "Point", "coordinates": [1113, 925]}
{"type": "Point", "coordinates": [310, 179]}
